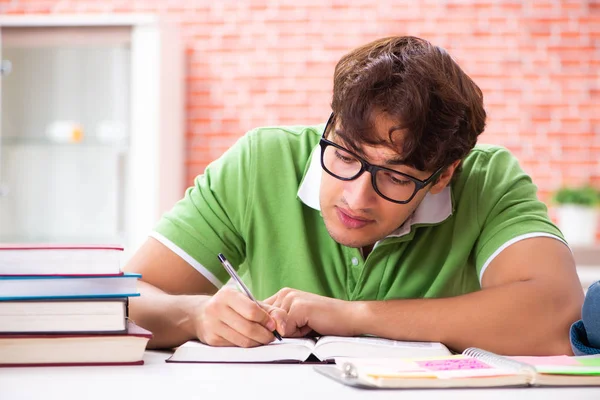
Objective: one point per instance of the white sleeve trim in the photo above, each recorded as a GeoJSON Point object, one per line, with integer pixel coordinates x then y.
{"type": "Point", "coordinates": [513, 241]}
{"type": "Point", "coordinates": [189, 259]}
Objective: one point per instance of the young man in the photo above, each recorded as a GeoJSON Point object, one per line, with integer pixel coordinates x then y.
{"type": "Point", "coordinates": [386, 222]}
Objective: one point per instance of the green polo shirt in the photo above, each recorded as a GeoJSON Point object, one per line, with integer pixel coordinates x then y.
{"type": "Point", "coordinates": [258, 204]}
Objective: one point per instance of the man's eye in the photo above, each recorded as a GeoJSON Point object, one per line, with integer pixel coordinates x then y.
{"type": "Point", "coordinates": [345, 159]}
{"type": "Point", "coordinates": [398, 180]}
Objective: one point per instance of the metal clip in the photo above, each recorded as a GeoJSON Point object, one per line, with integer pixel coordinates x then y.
{"type": "Point", "coordinates": [349, 371]}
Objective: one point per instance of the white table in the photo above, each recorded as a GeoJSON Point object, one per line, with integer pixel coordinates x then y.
{"type": "Point", "coordinates": [168, 381]}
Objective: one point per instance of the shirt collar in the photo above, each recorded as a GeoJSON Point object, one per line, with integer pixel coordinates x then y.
{"type": "Point", "coordinates": [434, 209]}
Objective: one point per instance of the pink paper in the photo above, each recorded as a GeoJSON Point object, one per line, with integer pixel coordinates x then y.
{"type": "Point", "coordinates": [452, 364]}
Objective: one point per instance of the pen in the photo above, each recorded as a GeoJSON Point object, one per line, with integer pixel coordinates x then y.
{"type": "Point", "coordinates": [236, 278]}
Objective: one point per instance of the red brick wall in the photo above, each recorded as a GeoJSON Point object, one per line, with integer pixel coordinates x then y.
{"type": "Point", "coordinates": [257, 62]}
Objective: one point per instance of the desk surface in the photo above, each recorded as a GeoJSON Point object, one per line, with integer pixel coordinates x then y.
{"type": "Point", "coordinates": [165, 381]}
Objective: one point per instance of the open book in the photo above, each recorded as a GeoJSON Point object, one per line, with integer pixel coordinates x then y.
{"type": "Point", "coordinates": [324, 349]}
{"type": "Point", "coordinates": [472, 368]}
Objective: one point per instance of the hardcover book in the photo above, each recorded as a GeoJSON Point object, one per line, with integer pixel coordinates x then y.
{"type": "Point", "coordinates": [74, 349]}
{"type": "Point", "coordinates": [64, 316]}
{"type": "Point", "coordinates": [59, 259]}
{"type": "Point", "coordinates": [68, 286]}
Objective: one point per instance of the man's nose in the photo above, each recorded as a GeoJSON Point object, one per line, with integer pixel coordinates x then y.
{"type": "Point", "coordinates": [359, 193]}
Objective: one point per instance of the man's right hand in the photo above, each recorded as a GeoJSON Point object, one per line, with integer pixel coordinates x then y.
{"type": "Point", "coordinates": [230, 318]}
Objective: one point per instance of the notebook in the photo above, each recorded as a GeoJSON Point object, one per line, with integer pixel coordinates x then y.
{"type": "Point", "coordinates": [57, 316]}
{"type": "Point", "coordinates": [59, 259]}
{"type": "Point", "coordinates": [68, 286]}
{"type": "Point", "coordinates": [323, 349]}
{"type": "Point", "coordinates": [473, 368]}
{"type": "Point", "coordinates": [74, 349]}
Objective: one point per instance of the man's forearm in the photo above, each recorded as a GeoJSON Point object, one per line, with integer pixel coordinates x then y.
{"type": "Point", "coordinates": [170, 318]}
{"type": "Point", "coordinates": [517, 318]}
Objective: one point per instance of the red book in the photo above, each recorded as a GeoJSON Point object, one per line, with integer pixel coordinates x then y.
{"type": "Point", "coordinates": [59, 259]}
{"type": "Point", "coordinates": [27, 350]}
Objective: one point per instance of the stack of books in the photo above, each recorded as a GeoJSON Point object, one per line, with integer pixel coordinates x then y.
{"type": "Point", "coordinates": [67, 305]}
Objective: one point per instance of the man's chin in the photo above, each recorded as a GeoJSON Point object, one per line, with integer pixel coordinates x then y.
{"type": "Point", "coordinates": [354, 239]}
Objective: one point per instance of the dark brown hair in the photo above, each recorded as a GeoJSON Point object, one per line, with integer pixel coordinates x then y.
{"type": "Point", "coordinates": [438, 107]}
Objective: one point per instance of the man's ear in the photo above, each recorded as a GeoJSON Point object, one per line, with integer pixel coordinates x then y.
{"type": "Point", "coordinates": [444, 178]}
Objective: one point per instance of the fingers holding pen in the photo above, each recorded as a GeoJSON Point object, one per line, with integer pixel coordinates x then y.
{"type": "Point", "coordinates": [271, 318]}
{"type": "Point", "coordinates": [242, 332]}
{"type": "Point", "coordinates": [255, 313]}
{"type": "Point", "coordinates": [279, 316]}
{"type": "Point", "coordinates": [231, 318]}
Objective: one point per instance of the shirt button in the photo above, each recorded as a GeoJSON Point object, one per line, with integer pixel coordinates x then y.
{"type": "Point", "coordinates": [354, 261]}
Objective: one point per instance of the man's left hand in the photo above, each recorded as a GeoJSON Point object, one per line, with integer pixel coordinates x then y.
{"type": "Point", "coordinates": [310, 312]}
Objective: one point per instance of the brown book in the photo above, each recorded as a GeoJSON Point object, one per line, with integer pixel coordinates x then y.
{"type": "Point", "coordinates": [75, 349]}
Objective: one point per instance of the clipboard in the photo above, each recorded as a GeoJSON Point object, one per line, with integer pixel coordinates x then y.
{"type": "Point", "coordinates": [346, 375]}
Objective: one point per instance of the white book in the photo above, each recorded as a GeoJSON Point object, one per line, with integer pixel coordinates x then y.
{"type": "Point", "coordinates": [60, 316]}
{"type": "Point", "coordinates": [59, 259]}
{"type": "Point", "coordinates": [326, 348]}
{"type": "Point", "coordinates": [68, 286]}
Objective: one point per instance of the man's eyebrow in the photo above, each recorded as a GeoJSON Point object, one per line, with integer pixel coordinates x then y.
{"type": "Point", "coordinates": [399, 160]}
{"type": "Point", "coordinates": [394, 161]}
{"type": "Point", "coordinates": [340, 133]}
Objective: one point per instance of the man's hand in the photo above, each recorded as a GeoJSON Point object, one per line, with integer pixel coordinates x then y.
{"type": "Point", "coordinates": [308, 312]}
{"type": "Point", "coordinates": [230, 318]}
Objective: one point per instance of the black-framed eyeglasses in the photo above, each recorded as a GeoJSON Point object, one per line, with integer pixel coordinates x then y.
{"type": "Point", "coordinates": [392, 185]}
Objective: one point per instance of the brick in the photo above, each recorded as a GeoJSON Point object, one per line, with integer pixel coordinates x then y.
{"type": "Point", "coordinates": [258, 62]}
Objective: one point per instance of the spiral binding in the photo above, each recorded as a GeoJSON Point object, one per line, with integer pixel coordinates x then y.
{"type": "Point", "coordinates": [500, 361]}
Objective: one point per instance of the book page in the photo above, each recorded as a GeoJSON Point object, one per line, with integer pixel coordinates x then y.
{"type": "Point", "coordinates": [286, 350]}
{"type": "Point", "coordinates": [376, 341]}
{"type": "Point", "coordinates": [331, 347]}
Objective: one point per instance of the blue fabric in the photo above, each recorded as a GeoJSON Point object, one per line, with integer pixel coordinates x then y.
{"type": "Point", "coordinates": [585, 333]}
